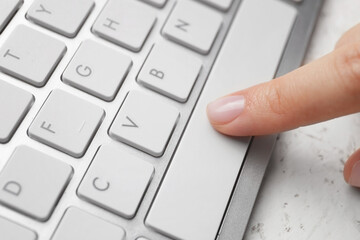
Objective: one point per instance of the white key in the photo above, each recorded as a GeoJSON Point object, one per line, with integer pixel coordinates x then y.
{"type": "Point", "coordinates": [67, 123]}
{"type": "Point", "coordinates": [77, 224]}
{"type": "Point", "coordinates": [14, 105]}
{"type": "Point", "coordinates": [23, 47]}
{"type": "Point", "coordinates": [13, 231]}
{"type": "Point", "coordinates": [170, 70]}
{"type": "Point", "coordinates": [120, 23]}
{"type": "Point", "coordinates": [64, 17]}
{"type": "Point", "coordinates": [33, 182]}
{"type": "Point", "coordinates": [193, 25]}
{"type": "Point", "coordinates": [144, 122]}
{"type": "Point", "coordinates": [97, 69]}
{"type": "Point", "coordinates": [222, 5]}
{"type": "Point", "coordinates": [7, 11]}
{"type": "Point", "coordinates": [156, 3]}
{"type": "Point", "coordinates": [142, 238]}
{"type": "Point", "coordinates": [116, 181]}
{"type": "Point", "coordinates": [192, 199]}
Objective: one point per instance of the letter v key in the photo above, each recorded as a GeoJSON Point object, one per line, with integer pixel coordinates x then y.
{"type": "Point", "coordinates": [130, 125]}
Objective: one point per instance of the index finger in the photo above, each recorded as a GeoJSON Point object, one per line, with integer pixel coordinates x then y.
{"type": "Point", "coordinates": [322, 90]}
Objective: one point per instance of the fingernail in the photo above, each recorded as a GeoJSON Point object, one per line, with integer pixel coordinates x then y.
{"type": "Point", "coordinates": [225, 109]}
{"type": "Point", "coordinates": [355, 175]}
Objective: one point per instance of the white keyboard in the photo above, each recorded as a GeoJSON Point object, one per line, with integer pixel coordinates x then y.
{"type": "Point", "coordinates": [96, 139]}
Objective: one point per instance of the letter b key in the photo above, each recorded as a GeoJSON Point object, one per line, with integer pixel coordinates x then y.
{"type": "Point", "coordinates": [170, 71]}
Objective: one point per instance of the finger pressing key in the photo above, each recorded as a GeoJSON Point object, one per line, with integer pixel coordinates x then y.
{"type": "Point", "coordinates": [322, 90]}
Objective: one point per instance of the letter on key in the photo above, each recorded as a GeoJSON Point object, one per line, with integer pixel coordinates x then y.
{"type": "Point", "coordinates": [116, 180]}
{"type": "Point", "coordinates": [126, 23]}
{"type": "Point", "coordinates": [67, 123]}
{"type": "Point", "coordinates": [193, 25]}
{"type": "Point", "coordinates": [144, 122]}
{"type": "Point", "coordinates": [32, 182]}
{"type": "Point", "coordinates": [97, 69]}
{"type": "Point", "coordinates": [24, 45]}
{"type": "Point", "coordinates": [65, 17]}
{"type": "Point", "coordinates": [170, 70]}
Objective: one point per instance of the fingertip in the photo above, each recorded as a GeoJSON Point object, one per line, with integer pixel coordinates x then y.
{"type": "Point", "coordinates": [352, 169]}
{"type": "Point", "coordinates": [225, 109]}
{"type": "Point", "coordinates": [351, 36]}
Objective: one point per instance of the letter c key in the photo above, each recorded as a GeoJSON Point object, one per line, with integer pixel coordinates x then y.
{"type": "Point", "coordinates": [99, 186]}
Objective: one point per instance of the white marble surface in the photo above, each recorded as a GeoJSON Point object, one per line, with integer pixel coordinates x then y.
{"type": "Point", "coordinates": [304, 195]}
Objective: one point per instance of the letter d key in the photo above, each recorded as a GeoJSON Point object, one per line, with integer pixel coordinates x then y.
{"type": "Point", "coordinates": [13, 188]}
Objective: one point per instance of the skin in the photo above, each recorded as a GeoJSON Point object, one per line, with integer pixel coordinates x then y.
{"type": "Point", "coordinates": [321, 90]}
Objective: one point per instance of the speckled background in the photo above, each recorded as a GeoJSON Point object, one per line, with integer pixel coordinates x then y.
{"type": "Point", "coordinates": [304, 195]}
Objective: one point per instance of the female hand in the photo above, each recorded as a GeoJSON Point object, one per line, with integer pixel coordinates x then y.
{"type": "Point", "coordinates": [324, 89]}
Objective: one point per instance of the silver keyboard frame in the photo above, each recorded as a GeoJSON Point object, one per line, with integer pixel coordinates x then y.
{"type": "Point", "coordinates": [250, 176]}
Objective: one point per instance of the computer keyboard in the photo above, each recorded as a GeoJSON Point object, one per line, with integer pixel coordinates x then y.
{"type": "Point", "coordinates": [95, 97]}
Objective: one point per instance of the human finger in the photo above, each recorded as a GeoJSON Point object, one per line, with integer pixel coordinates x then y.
{"type": "Point", "coordinates": [322, 90]}
{"type": "Point", "coordinates": [352, 169]}
{"type": "Point", "coordinates": [349, 37]}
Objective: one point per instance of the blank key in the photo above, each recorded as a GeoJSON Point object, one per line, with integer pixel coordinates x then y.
{"type": "Point", "coordinates": [193, 25]}
{"type": "Point", "coordinates": [144, 122]}
{"type": "Point", "coordinates": [195, 193]}
{"type": "Point", "coordinates": [156, 3]}
{"type": "Point", "coordinates": [14, 105]}
{"type": "Point", "coordinates": [116, 181]}
{"type": "Point", "coordinates": [126, 23]}
{"type": "Point", "coordinates": [170, 70]}
{"type": "Point", "coordinates": [33, 182]}
{"type": "Point", "coordinates": [223, 5]}
{"type": "Point", "coordinates": [64, 17]}
{"type": "Point", "coordinates": [13, 231]}
{"type": "Point", "coordinates": [7, 10]}
{"type": "Point", "coordinates": [30, 55]}
{"type": "Point", "coordinates": [67, 123]}
{"type": "Point", "coordinates": [77, 224]}
{"type": "Point", "coordinates": [97, 69]}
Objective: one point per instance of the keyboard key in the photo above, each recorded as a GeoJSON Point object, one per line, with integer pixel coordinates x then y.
{"type": "Point", "coordinates": [116, 181]}
{"type": "Point", "coordinates": [144, 122]}
{"type": "Point", "coordinates": [14, 105]}
{"type": "Point", "coordinates": [156, 3]}
{"type": "Point", "coordinates": [7, 11]}
{"type": "Point", "coordinates": [222, 5]}
{"type": "Point", "coordinates": [97, 69]}
{"type": "Point", "coordinates": [194, 194]}
{"type": "Point", "coordinates": [170, 71]}
{"type": "Point", "coordinates": [142, 238]}
{"type": "Point", "coordinates": [13, 231]}
{"type": "Point", "coordinates": [33, 182]}
{"type": "Point", "coordinates": [67, 123]}
{"type": "Point", "coordinates": [80, 225]}
{"type": "Point", "coordinates": [23, 47]}
{"type": "Point", "coordinates": [120, 23]}
{"type": "Point", "coordinates": [193, 25]}
{"type": "Point", "coordinates": [64, 17]}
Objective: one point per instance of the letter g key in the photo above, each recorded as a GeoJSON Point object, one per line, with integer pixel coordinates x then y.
{"type": "Point", "coordinates": [83, 71]}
